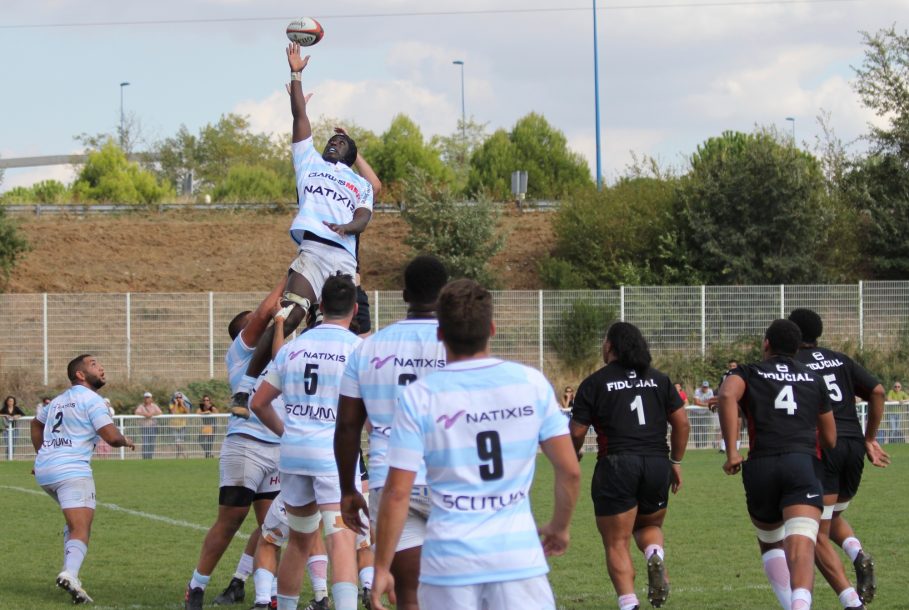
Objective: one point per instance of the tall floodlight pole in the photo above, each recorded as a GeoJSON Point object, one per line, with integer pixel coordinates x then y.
{"type": "Point", "coordinates": [596, 96]}
{"type": "Point", "coordinates": [791, 119]}
{"type": "Point", "coordinates": [122, 133]}
{"type": "Point", "coordinates": [459, 62]}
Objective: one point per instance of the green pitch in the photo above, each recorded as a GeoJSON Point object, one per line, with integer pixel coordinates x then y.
{"type": "Point", "coordinates": [152, 517]}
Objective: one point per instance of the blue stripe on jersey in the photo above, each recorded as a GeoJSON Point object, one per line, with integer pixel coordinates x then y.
{"type": "Point", "coordinates": [237, 359]}
{"type": "Point", "coordinates": [478, 423]}
{"type": "Point", "coordinates": [309, 371]}
{"type": "Point", "coordinates": [71, 423]}
{"type": "Point", "coordinates": [379, 370]}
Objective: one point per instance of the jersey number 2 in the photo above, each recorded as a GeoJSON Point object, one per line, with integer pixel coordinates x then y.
{"type": "Point", "coordinates": [58, 421]}
{"type": "Point", "coordinates": [489, 449]}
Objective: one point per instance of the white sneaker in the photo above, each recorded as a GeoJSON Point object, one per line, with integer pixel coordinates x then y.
{"type": "Point", "coordinates": [73, 586]}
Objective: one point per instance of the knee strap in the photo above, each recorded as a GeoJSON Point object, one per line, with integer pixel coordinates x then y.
{"type": "Point", "coordinates": [802, 526]}
{"type": "Point", "coordinates": [291, 298]}
{"type": "Point", "coordinates": [771, 536]}
{"type": "Point", "coordinates": [840, 506]}
{"type": "Point", "coordinates": [304, 525]}
{"type": "Point", "coordinates": [333, 522]}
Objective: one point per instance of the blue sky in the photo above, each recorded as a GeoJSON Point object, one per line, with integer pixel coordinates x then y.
{"type": "Point", "coordinates": [670, 76]}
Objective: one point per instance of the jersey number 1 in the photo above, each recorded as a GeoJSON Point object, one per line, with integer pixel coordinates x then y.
{"type": "Point", "coordinates": [637, 406]}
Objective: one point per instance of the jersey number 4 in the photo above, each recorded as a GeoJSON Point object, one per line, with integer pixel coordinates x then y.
{"type": "Point", "coordinates": [785, 400]}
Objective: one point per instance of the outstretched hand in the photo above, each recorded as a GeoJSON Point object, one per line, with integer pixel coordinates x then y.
{"type": "Point", "coordinates": [876, 455]}
{"type": "Point", "coordinates": [297, 63]}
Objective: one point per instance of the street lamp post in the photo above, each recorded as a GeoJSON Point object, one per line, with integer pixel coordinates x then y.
{"type": "Point", "coordinates": [596, 96]}
{"type": "Point", "coordinates": [791, 119]}
{"type": "Point", "coordinates": [122, 134]}
{"type": "Point", "coordinates": [459, 62]}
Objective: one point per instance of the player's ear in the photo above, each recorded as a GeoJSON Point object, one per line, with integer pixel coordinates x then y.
{"type": "Point", "coordinates": [492, 330]}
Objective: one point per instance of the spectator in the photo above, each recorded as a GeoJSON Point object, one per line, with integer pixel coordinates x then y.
{"type": "Point", "coordinates": [703, 397]}
{"type": "Point", "coordinates": [892, 414]}
{"type": "Point", "coordinates": [149, 411]}
{"type": "Point", "coordinates": [45, 400]}
{"type": "Point", "coordinates": [207, 432]}
{"type": "Point", "coordinates": [10, 413]}
{"type": "Point", "coordinates": [568, 401]}
{"type": "Point", "coordinates": [682, 393]}
{"type": "Point", "coordinates": [178, 406]}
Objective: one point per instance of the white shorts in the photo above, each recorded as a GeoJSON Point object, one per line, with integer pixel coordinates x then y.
{"type": "Point", "coordinates": [275, 528]}
{"type": "Point", "coordinates": [414, 531]}
{"type": "Point", "coordinates": [301, 489]}
{"type": "Point", "coordinates": [528, 593]}
{"type": "Point", "coordinates": [317, 262]}
{"type": "Point", "coordinates": [73, 493]}
{"type": "Point", "coordinates": [250, 464]}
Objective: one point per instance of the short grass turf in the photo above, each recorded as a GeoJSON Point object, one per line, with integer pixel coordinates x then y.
{"type": "Point", "coordinates": [142, 559]}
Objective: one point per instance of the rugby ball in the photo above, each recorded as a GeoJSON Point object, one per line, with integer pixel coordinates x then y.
{"type": "Point", "coordinates": [305, 31]}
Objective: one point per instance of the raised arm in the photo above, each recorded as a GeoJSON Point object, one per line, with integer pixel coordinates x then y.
{"type": "Point", "coordinates": [301, 127]}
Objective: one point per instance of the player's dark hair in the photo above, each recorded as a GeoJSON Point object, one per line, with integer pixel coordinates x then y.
{"type": "Point", "coordinates": [784, 337]}
{"type": "Point", "coordinates": [237, 324]}
{"type": "Point", "coordinates": [424, 278]}
{"type": "Point", "coordinates": [339, 295]}
{"type": "Point", "coordinates": [465, 316]}
{"type": "Point", "coordinates": [75, 365]}
{"type": "Point", "coordinates": [809, 322]}
{"type": "Point", "coordinates": [629, 346]}
{"type": "Point", "coordinates": [351, 155]}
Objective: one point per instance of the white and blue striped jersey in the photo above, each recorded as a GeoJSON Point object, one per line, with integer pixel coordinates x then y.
{"type": "Point", "coordinates": [71, 423]}
{"type": "Point", "coordinates": [308, 372]}
{"type": "Point", "coordinates": [237, 359]}
{"type": "Point", "coordinates": [380, 369]}
{"type": "Point", "coordinates": [477, 423]}
{"type": "Point", "coordinates": [328, 192]}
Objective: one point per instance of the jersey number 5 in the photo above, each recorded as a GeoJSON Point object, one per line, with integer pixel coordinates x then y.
{"type": "Point", "coordinates": [310, 379]}
{"type": "Point", "coordinates": [489, 449]}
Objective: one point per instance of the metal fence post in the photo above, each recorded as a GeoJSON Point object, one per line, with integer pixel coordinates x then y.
{"type": "Point", "coordinates": [782, 301]}
{"type": "Point", "coordinates": [540, 327]}
{"type": "Point", "coordinates": [129, 339]}
{"type": "Point", "coordinates": [44, 334]}
{"type": "Point", "coordinates": [703, 320]}
{"type": "Point", "coordinates": [9, 443]}
{"type": "Point", "coordinates": [122, 449]}
{"type": "Point", "coordinates": [622, 303]}
{"type": "Point", "coordinates": [861, 296]}
{"type": "Point", "coordinates": [375, 326]}
{"type": "Point", "coordinates": [211, 335]}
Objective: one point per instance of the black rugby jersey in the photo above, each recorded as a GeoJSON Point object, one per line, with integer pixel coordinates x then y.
{"type": "Point", "coordinates": [782, 401]}
{"type": "Point", "coordinates": [844, 380]}
{"type": "Point", "coordinates": [628, 413]}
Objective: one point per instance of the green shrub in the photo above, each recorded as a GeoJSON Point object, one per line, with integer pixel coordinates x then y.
{"type": "Point", "coordinates": [577, 338]}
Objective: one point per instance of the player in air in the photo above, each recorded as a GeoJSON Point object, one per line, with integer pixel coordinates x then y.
{"type": "Point", "coordinates": [307, 371]}
{"type": "Point", "coordinates": [842, 465]}
{"type": "Point", "coordinates": [788, 414]}
{"type": "Point", "coordinates": [477, 423]}
{"type": "Point", "coordinates": [630, 405]}
{"type": "Point", "coordinates": [377, 372]}
{"type": "Point", "coordinates": [64, 434]}
{"type": "Point", "coordinates": [335, 205]}
{"type": "Point", "coordinates": [248, 468]}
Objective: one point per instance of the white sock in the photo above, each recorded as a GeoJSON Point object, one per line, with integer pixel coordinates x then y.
{"type": "Point", "coordinates": [199, 581]}
{"type": "Point", "coordinates": [801, 599]}
{"type": "Point", "coordinates": [654, 548]}
{"type": "Point", "coordinates": [317, 567]}
{"type": "Point", "coordinates": [288, 602]}
{"type": "Point", "coordinates": [263, 580]}
{"type": "Point", "coordinates": [723, 444]}
{"type": "Point", "coordinates": [345, 595]}
{"type": "Point", "coordinates": [627, 602]}
{"type": "Point", "coordinates": [244, 567]}
{"type": "Point", "coordinates": [853, 547]}
{"type": "Point", "coordinates": [274, 587]}
{"type": "Point", "coordinates": [73, 555]}
{"type": "Point", "coordinates": [850, 598]}
{"type": "Point", "coordinates": [247, 383]}
{"type": "Point", "coordinates": [366, 575]}
{"type": "Point", "coordinates": [777, 571]}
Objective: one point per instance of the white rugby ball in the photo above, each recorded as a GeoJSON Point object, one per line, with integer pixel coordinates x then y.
{"type": "Point", "coordinates": [305, 31]}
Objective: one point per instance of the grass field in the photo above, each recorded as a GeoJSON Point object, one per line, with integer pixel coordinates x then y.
{"type": "Point", "coordinates": [152, 517]}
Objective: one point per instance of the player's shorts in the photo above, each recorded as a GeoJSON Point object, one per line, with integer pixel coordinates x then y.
{"type": "Point", "coordinates": [621, 482]}
{"type": "Point", "coordinates": [527, 593]}
{"type": "Point", "coordinates": [275, 529]}
{"type": "Point", "coordinates": [842, 467]}
{"type": "Point", "coordinates": [414, 532]}
{"type": "Point", "coordinates": [73, 493]}
{"type": "Point", "coordinates": [251, 464]}
{"type": "Point", "coordinates": [774, 482]}
{"type": "Point", "coordinates": [364, 322]}
{"type": "Point", "coordinates": [302, 489]}
{"type": "Point", "coordinates": [317, 262]}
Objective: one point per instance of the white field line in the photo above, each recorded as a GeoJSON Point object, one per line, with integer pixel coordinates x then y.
{"type": "Point", "coordinates": [135, 513]}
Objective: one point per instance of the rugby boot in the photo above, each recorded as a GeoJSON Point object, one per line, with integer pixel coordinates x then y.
{"type": "Point", "coordinates": [194, 598]}
{"type": "Point", "coordinates": [657, 585]}
{"type": "Point", "coordinates": [367, 603]}
{"type": "Point", "coordinates": [233, 594]}
{"type": "Point", "coordinates": [71, 585]}
{"type": "Point", "coordinates": [322, 604]}
{"type": "Point", "coordinates": [865, 578]}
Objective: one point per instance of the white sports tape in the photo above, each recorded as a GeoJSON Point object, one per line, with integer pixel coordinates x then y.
{"type": "Point", "coordinates": [840, 506]}
{"type": "Point", "coordinates": [827, 513]}
{"type": "Point", "coordinates": [285, 311]}
{"type": "Point", "coordinates": [802, 526]}
{"type": "Point", "coordinates": [770, 536]}
{"type": "Point", "coordinates": [304, 525]}
{"type": "Point", "coordinates": [333, 522]}
{"type": "Point", "coordinates": [364, 540]}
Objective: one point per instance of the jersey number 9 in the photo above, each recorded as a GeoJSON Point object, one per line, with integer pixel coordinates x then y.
{"type": "Point", "coordinates": [489, 449]}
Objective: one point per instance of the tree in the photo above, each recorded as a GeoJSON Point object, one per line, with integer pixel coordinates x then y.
{"type": "Point", "coordinates": [402, 153]}
{"type": "Point", "coordinates": [247, 184]}
{"type": "Point", "coordinates": [751, 211]}
{"type": "Point", "coordinates": [108, 176]}
{"type": "Point", "coordinates": [12, 246]}
{"type": "Point", "coordinates": [883, 86]}
{"type": "Point", "coordinates": [457, 149]}
{"type": "Point", "coordinates": [538, 148]}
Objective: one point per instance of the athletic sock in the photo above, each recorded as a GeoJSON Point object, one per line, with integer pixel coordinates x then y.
{"type": "Point", "coordinates": [65, 540]}
{"type": "Point", "coordinates": [244, 567]}
{"type": "Point", "coordinates": [263, 579]}
{"type": "Point", "coordinates": [346, 595]}
{"type": "Point", "coordinates": [73, 555]}
{"type": "Point", "coordinates": [801, 599]}
{"type": "Point", "coordinates": [366, 575]}
{"type": "Point", "coordinates": [274, 588]}
{"type": "Point", "coordinates": [288, 602]}
{"type": "Point", "coordinates": [654, 548]}
{"type": "Point", "coordinates": [850, 598]}
{"type": "Point", "coordinates": [628, 602]}
{"type": "Point", "coordinates": [247, 383]}
{"type": "Point", "coordinates": [853, 547]}
{"type": "Point", "coordinates": [199, 581]}
{"type": "Point", "coordinates": [777, 571]}
{"type": "Point", "coordinates": [317, 567]}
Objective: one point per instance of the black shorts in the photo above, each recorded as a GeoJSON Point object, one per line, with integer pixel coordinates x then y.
{"type": "Point", "coordinates": [842, 467]}
{"type": "Point", "coordinates": [364, 322]}
{"type": "Point", "coordinates": [777, 481]}
{"type": "Point", "coordinates": [621, 482]}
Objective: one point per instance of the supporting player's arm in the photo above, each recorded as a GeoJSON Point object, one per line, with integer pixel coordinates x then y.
{"type": "Point", "coordinates": [876, 455]}
{"type": "Point", "coordinates": [36, 430]}
{"type": "Point", "coordinates": [731, 392]}
{"type": "Point", "coordinates": [562, 453]}
{"type": "Point", "coordinates": [678, 442]}
{"type": "Point", "coordinates": [258, 319]}
{"type": "Point", "coordinates": [261, 406]}
{"type": "Point", "coordinates": [578, 434]}
{"type": "Point", "coordinates": [348, 429]}
{"type": "Point", "coordinates": [392, 515]}
{"type": "Point", "coordinates": [111, 435]}
{"type": "Point", "coordinates": [301, 126]}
